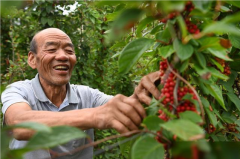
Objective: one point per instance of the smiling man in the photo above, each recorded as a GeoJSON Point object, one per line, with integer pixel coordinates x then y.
{"type": "Point", "coordinates": [50, 99]}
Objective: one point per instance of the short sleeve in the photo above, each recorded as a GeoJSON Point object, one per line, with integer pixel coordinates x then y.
{"type": "Point", "coordinates": [99, 97]}
{"type": "Point", "coordinates": [14, 93]}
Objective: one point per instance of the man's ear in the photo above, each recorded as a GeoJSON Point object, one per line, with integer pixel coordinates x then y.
{"type": "Point", "coordinates": [32, 60]}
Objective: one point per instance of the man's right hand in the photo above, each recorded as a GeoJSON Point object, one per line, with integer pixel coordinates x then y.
{"type": "Point", "coordinates": [121, 113]}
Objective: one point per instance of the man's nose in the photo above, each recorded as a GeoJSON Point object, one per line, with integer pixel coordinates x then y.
{"type": "Point", "coordinates": [62, 55]}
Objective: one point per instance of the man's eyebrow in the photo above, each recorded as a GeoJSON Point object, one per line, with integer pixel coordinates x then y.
{"type": "Point", "coordinates": [70, 45]}
{"type": "Point", "coordinates": [58, 43]}
{"type": "Point", "coordinates": [51, 43]}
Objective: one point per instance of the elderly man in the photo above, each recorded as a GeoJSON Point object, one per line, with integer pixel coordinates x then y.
{"type": "Point", "coordinates": [50, 99]}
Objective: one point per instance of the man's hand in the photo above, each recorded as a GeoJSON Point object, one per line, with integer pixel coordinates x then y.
{"type": "Point", "coordinates": [121, 113]}
{"type": "Point", "coordinates": [147, 87]}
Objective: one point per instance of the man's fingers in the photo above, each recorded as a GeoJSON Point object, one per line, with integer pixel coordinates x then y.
{"type": "Point", "coordinates": [148, 84]}
{"type": "Point", "coordinates": [136, 105]}
{"type": "Point", "coordinates": [126, 121]}
{"type": "Point", "coordinates": [119, 127]}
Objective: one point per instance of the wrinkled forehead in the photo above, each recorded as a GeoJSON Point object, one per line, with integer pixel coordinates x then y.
{"type": "Point", "coordinates": [51, 35]}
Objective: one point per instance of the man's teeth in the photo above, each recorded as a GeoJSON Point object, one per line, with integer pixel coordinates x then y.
{"type": "Point", "coordinates": [61, 67]}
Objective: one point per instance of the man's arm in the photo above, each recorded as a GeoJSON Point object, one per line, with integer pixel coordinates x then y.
{"type": "Point", "coordinates": [121, 113]}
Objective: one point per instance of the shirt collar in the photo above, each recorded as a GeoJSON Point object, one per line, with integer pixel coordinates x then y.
{"type": "Point", "coordinates": [40, 95]}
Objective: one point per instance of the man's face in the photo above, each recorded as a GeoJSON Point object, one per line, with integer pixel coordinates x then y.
{"type": "Point", "coordinates": [55, 58]}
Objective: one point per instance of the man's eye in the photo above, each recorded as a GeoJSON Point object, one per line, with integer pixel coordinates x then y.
{"type": "Point", "coordinates": [69, 51]}
{"type": "Point", "coordinates": [51, 50]}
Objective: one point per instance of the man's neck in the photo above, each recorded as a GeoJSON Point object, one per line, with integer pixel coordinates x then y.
{"type": "Point", "coordinates": [56, 94]}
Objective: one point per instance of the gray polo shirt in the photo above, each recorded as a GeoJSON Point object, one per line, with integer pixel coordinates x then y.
{"type": "Point", "coordinates": [78, 97]}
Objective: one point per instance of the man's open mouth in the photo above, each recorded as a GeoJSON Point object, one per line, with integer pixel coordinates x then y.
{"type": "Point", "coordinates": [62, 68]}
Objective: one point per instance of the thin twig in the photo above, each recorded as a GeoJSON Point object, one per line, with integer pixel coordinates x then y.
{"type": "Point", "coordinates": [194, 91]}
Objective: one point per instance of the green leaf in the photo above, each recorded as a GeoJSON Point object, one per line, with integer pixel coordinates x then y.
{"type": "Point", "coordinates": [157, 28]}
{"type": "Point", "coordinates": [166, 51]}
{"type": "Point", "coordinates": [58, 135]}
{"type": "Point", "coordinates": [212, 117]}
{"type": "Point", "coordinates": [203, 6]}
{"type": "Point", "coordinates": [210, 42]}
{"type": "Point", "coordinates": [50, 22]}
{"type": "Point", "coordinates": [4, 143]}
{"type": "Point", "coordinates": [229, 117]}
{"type": "Point", "coordinates": [182, 25]}
{"type": "Point", "coordinates": [152, 122]}
{"type": "Point", "coordinates": [183, 51]}
{"type": "Point", "coordinates": [219, 66]}
{"type": "Point", "coordinates": [225, 9]}
{"type": "Point", "coordinates": [192, 116]}
{"type": "Point", "coordinates": [217, 74]}
{"type": "Point", "coordinates": [127, 16]}
{"type": "Point", "coordinates": [228, 84]}
{"type": "Point", "coordinates": [184, 66]}
{"type": "Point", "coordinates": [163, 36]}
{"type": "Point", "coordinates": [34, 126]}
{"type": "Point", "coordinates": [153, 108]}
{"type": "Point", "coordinates": [201, 59]}
{"type": "Point", "coordinates": [221, 28]}
{"type": "Point", "coordinates": [216, 92]}
{"type": "Point", "coordinates": [112, 16]}
{"type": "Point", "coordinates": [222, 54]}
{"type": "Point", "coordinates": [143, 24]}
{"type": "Point", "coordinates": [234, 99]}
{"type": "Point", "coordinates": [132, 52]}
{"type": "Point", "coordinates": [233, 2]}
{"type": "Point", "coordinates": [235, 40]}
{"type": "Point", "coordinates": [147, 147]}
{"type": "Point", "coordinates": [44, 20]}
{"type": "Point", "coordinates": [184, 129]}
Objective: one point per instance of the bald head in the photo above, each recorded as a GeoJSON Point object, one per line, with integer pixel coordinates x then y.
{"type": "Point", "coordinates": [33, 43]}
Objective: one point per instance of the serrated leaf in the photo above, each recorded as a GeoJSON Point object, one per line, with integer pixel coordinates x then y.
{"type": "Point", "coordinates": [192, 116]}
{"type": "Point", "coordinates": [147, 148]}
{"type": "Point", "coordinates": [234, 99]}
{"type": "Point", "coordinates": [184, 129]}
{"type": "Point", "coordinates": [183, 51]}
{"type": "Point", "coordinates": [152, 122]}
{"type": "Point", "coordinates": [143, 24]}
{"type": "Point", "coordinates": [216, 92]}
{"type": "Point", "coordinates": [58, 135]}
{"type": "Point", "coordinates": [132, 52]}
{"type": "Point", "coordinates": [166, 51]}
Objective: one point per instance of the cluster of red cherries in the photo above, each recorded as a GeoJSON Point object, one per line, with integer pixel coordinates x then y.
{"type": "Point", "coordinates": [210, 129]}
{"type": "Point", "coordinates": [167, 93]}
{"type": "Point", "coordinates": [191, 27]}
{"type": "Point", "coordinates": [227, 69]}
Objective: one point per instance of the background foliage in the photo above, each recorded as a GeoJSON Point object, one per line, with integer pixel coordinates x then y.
{"type": "Point", "coordinates": [117, 42]}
